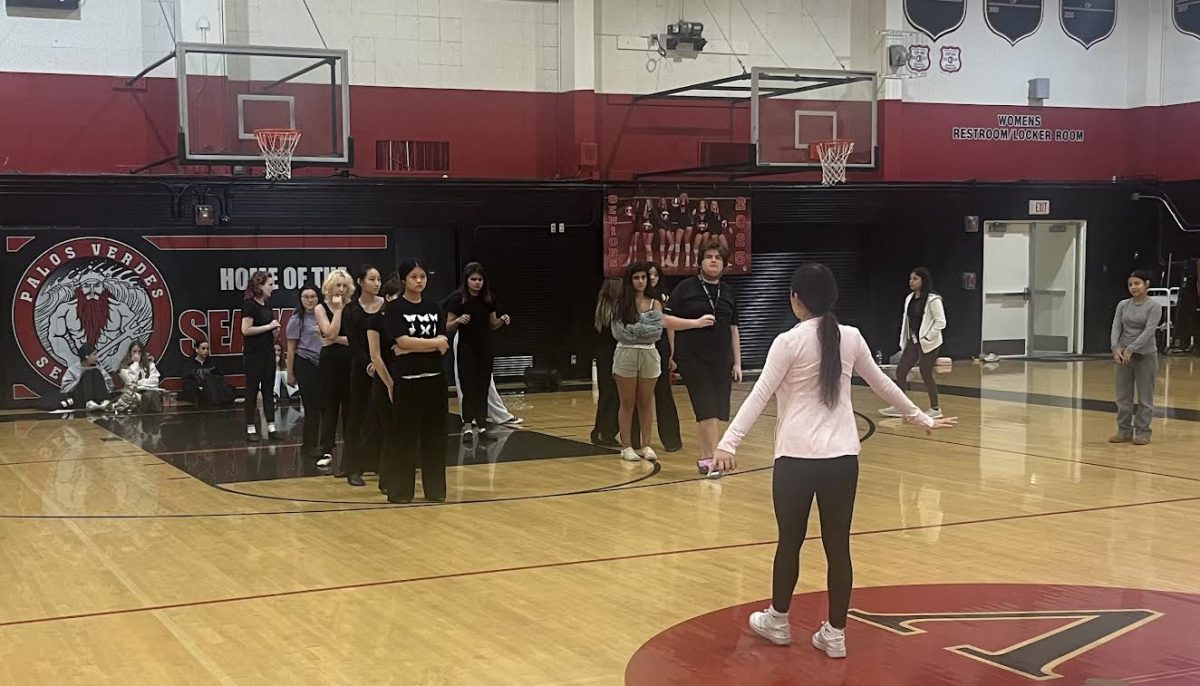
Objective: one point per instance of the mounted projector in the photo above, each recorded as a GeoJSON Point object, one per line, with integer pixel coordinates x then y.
{"type": "Point", "coordinates": [683, 36]}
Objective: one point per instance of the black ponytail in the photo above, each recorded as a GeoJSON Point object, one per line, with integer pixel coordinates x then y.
{"type": "Point", "coordinates": [815, 286]}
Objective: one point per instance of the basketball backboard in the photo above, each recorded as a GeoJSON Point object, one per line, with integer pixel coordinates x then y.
{"type": "Point", "coordinates": [791, 109]}
{"type": "Point", "coordinates": [228, 91]}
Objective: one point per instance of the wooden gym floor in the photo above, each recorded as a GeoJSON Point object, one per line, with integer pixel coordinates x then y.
{"type": "Point", "coordinates": [160, 550]}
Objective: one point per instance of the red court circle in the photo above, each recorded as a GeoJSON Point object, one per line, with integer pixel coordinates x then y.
{"type": "Point", "coordinates": [931, 635]}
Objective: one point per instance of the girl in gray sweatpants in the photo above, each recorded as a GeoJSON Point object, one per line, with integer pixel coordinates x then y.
{"type": "Point", "coordinates": [1136, 355]}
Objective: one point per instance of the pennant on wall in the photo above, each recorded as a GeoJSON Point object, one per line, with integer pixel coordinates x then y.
{"type": "Point", "coordinates": [1013, 20]}
{"type": "Point", "coordinates": [1088, 21]}
{"type": "Point", "coordinates": [935, 18]}
{"type": "Point", "coordinates": [1187, 17]}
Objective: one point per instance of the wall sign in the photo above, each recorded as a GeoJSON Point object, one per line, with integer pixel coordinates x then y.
{"type": "Point", "coordinates": [1186, 16]}
{"type": "Point", "coordinates": [935, 18]}
{"type": "Point", "coordinates": [1017, 128]}
{"type": "Point", "coordinates": [1088, 21]}
{"type": "Point", "coordinates": [1013, 20]}
{"type": "Point", "coordinates": [951, 61]}
{"type": "Point", "coordinates": [1039, 208]}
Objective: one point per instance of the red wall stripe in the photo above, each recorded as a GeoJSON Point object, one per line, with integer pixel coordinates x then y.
{"type": "Point", "coordinates": [290, 242]}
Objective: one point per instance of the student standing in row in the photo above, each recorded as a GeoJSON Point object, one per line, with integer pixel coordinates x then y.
{"type": "Point", "coordinates": [335, 361]}
{"type": "Point", "coordinates": [636, 326]}
{"type": "Point", "coordinates": [303, 358]}
{"type": "Point", "coordinates": [808, 370]}
{"type": "Point", "coordinates": [258, 353]}
{"type": "Point", "coordinates": [418, 329]}
{"type": "Point", "coordinates": [362, 429]}
{"type": "Point", "coordinates": [472, 314]}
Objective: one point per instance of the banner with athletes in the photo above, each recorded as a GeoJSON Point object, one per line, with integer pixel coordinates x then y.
{"type": "Point", "coordinates": [109, 289]}
{"type": "Point", "coordinates": [670, 229]}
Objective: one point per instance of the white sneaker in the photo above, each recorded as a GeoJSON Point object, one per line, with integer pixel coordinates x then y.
{"type": "Point", "coordinates": [468, 430]}
{"type": "Point", "coordinates": [630, 455]}
{"type": "Point", "coordinates": [890, 411]}
{"type": "Point", "coordinates": [649, 454]}
{"type": "Point", "coordinates": [830, 640]}
{"type": "Point", "coordinates": [92, 405]}
{"type": "Point", "coordinates": [325, 460]}
{"type": "Point", "coordinates": [935, 413]}
{"type": "Point", "coordinates": [772, 626]}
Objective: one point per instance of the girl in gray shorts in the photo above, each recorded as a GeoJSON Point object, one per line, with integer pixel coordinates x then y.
{"type": "Point", "coordinates": [637, 326]}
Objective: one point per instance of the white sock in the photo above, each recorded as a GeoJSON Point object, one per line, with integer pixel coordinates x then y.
{"type": "Point", "coordinates": [270, 426]}
{"type": "Point", "coordinates": [251, 429]}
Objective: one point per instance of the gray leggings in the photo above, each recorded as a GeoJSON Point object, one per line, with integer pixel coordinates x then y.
{"type": "Point", "coordinates": [1140, 373]}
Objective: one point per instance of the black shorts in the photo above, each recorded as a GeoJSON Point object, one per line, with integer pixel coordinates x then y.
{"type": "Point", "coordinates": [708, 385]}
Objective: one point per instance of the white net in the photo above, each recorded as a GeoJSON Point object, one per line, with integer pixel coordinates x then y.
{"type": "Point", "coordinates": [277, 146]}
{"type": "Point", "coordinates": [833, 156]}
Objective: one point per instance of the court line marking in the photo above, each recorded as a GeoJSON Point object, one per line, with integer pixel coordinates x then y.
{"type": "Point", "coordinates": [1045, 457]}
{"type": "Point", "coordinates": [568, 563]}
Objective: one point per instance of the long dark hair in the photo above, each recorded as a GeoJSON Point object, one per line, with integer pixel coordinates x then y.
{"type": "Point", "coordinates": [300, 299]}
{"type": "Point", "coordinates": [926, 280]}
{"type": "Point", "coordinates": [144, 363]}
{"type": "Point", "coordinates": [360, 274]}
{"type": "Point", "coordinates": [606, 303]}
{"type": "Point", "coordinates": [813, 284]}
{"type": "Point", "coordinates": [407, 267]}
{"type": "Point", "coordinates": [254, 286]}
{"type": "Point", "coordinates": [655, 291]}
{"type": "Point", "coordinates": [393, 286]}
{"type": "Point", "coordinates": [472, 268]}
{"type": "Point", "coordinates": [627, 310]}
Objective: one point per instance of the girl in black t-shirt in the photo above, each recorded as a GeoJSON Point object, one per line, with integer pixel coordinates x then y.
{"type": "Point", "coordinates": [335, 360]}
{"type": "Point", "coordinates": [258, 353]}
{"type": "Point", "coordinates": [380, 349]}
{"type": "Point", "coordinates": [362, 429]}
{"type": "Point", "coordinates": [418, 329]}
{"type": "Point", "coordinates": [472, 313]}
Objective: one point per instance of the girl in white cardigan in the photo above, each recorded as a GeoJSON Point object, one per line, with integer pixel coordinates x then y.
{"type": "Point", "coordinates": [140, 376]}
{"type": "Point", "coordinates": [920, 338]}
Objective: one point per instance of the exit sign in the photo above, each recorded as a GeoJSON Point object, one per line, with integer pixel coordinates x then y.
{"type": "Point", "coordinates": [1039, 207]}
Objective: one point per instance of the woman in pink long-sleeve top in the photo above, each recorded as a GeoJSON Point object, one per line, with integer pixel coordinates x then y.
{"type": "Point", "coordinates": [816, 446]}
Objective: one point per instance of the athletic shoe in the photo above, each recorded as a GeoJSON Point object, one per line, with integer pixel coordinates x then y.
{"type": "Point", "coordinates": [67, 404]}
{"type": "Point", "coordinates": [92, 405]}
{"type": "Point", "coordinates": [355, 479]}
{"type": "Point", "coordinates": [772, 626]}
{"type": "Point", "coordinates": [629, 455]}
{"type": "Point", "coordinates": [1120, 438]}
{"type": "Point", "coordinates": [831, 640]}
{"type": "Point", "coordinates": [513, 420]}
{"type": "Point", "coordinates": [468, 432]}
{"type": "Point", "coordinates": [890, 412]}
{"type": "Point", "coordinates": [649, 454]}
{"type": "Point", "coordinates": [1141, 439]}
{"type": "Point", "coordinates": [935, 413]}
{"type": "Point", "coordinates": [325, 460]}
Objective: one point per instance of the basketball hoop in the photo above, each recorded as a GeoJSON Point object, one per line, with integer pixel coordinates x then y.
{"type": "Point", "coordinates": [277, 146]}
{"type": "Point", "coordinates": [833, 155]}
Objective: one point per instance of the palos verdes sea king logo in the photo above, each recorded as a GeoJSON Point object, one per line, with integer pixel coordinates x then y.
{"type": "Point", "coordinates": [89, 290]}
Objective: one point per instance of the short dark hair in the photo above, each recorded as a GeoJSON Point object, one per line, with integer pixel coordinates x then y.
{"type": "Point", "coordinates": [1142, 274]}
{"type": "Point", "coordinates": [714, 244]}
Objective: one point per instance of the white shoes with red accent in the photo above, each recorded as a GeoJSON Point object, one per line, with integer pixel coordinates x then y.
{"type": "Point", "coordinates": [830, 640]}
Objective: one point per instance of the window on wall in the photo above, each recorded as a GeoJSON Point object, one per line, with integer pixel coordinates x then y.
{"type": "Point", "coordinates": [412, 156]}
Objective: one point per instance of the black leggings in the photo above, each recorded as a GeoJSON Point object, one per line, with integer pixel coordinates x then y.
{"type": "Point", "coordinates": [335, 388]}
{"type": "Point", "coordinates": [833, 482]}
{"type": "Point", "coordinates": [912, 355]}
{"type": "Point", "coordinates": [307, 376]}
{"type": "Point", "coordinates": [260, 378]}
